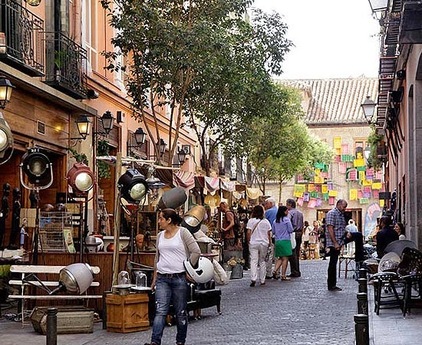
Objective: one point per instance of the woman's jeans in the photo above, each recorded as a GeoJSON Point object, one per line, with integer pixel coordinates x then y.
{"type": "Point", "coordinates": [258, 253]}
{"type": "Point", "coordinates": [170, 289]}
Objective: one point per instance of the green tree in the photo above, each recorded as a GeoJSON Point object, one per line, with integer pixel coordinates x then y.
{"type": "Point", "coordinates": [166, 43]}
{"type": "Point", "coordinates": [201, 59]}
{"type": "Point", "coordinates": [281, 145]}
{"type": "Point", "coordinates": [235, 86]}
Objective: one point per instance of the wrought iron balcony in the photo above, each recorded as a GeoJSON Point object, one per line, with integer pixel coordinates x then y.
{"type": "Point", "coordinates": [66, 63]}
{"type": "Point", "coordinates": [21, 43]}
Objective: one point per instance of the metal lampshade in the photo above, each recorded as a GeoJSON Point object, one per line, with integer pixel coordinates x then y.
{"type": "Point", "coordinates": [6, 137]}
{"type": "Point", "coordinates": [193, 218]}
{"type": "Point", "coordinates": [132, 185]}
{"type": "Point", "coordinates": [81, 178]}
{"type": "Point", "coordinates": [37, 167]}
{"type": "Point", "coordinates": [173, 198]}
{"type": "Point", "coordinates": [76, 278]}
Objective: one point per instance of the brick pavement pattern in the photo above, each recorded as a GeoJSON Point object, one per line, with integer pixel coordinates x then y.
{"type": "Point", "coordinates": [299, 312]}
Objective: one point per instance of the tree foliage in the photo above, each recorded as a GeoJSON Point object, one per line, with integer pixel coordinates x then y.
{"type": "Point", "coordinates": [281, 145]}
{"type": "Point", "coordinates": [202, 60]}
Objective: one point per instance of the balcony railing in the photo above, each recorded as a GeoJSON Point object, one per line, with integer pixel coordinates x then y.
{"type": "Point", "coordinates": [21, 43]}
{"type": "Point", "coordinates": [66, 63]}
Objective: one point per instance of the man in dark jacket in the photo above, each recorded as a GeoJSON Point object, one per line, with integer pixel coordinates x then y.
{"type": "Point", "coordinates": [385, 235]}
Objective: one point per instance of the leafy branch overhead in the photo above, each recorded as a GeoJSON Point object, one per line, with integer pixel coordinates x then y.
{"type": "Point", "coordinates": [200, 60]}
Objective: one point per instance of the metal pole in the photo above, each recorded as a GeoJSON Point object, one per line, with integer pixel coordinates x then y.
{"type": "Point", "coordinates": [362, 273]}
{"type": "Point", "coordinates": [363, 286]}
{"type": "Point", "coordinates": [361, 329]}
{"type": "Point", "coordinates": [117, 215]}
{"type": "Point", "coordinates": [51, 326]}
{"type": "Point", "coordinates": [362, 303]}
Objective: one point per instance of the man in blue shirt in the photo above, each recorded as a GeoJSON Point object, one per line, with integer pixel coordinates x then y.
{"type": "Point", "coordinates": [271, 210]}
{"type": "Point", "coordinates": [336, 225]}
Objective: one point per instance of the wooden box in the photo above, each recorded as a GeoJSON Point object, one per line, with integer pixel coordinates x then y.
{"type": "Point", "coordinates": [127, 313]}
{"type": "Point", "coordinates": [70, 320]}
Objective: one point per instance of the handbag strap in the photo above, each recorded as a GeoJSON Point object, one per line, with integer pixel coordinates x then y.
{"type": "Point", "coordinates": [255, 227]}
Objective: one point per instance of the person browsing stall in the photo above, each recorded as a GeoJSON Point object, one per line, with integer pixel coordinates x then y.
{"type": "Point", "coordinates": [227, 227]}
{"type": "Point", "coordinates": [336, 226]}
{"type": "Point", "coordinates": [174, 244]}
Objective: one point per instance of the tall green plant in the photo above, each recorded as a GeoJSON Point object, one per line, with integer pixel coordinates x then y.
{"type": "Point", "coordinates": [374, 141]}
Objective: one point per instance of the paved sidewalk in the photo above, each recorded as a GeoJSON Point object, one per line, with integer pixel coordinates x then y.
{"type": "Point", "coordinates": [298, 312]}
{"type": "Point", "coordinates": [391, 328]}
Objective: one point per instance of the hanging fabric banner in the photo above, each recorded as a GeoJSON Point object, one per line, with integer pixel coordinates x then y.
{"type": "Point", "coordinates": [184, 179]}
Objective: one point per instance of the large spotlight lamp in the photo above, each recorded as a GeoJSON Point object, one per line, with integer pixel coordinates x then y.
{"type": "Point", "coordinates": [6, 139]}
{"type": "Point", "coordinates": [38, 168]}
{"type": "Point", "coordinates": [81, 178]}
{"type": "Point", "coordinates": [132, 186]}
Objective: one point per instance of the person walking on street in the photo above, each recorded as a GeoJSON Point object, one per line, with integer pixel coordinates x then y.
{"type": "Point", "coordinates": [259, 238]}
{"type": "Point", "coordinates": [282, 228]}
{"type": "Point", "coordinates": [174, 245]}
{"type": "Point", "coordinates": [270, 213]}
{"type": "Point", "coordinates": [336, 226]}
{"type": "Point", "coordinates": [296, 217]}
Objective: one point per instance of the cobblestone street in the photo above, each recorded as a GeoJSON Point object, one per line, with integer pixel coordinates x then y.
{"type": "Point", "coordinates": [301, 311]}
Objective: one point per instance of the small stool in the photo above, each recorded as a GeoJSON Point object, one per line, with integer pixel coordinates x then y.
{"type": "Point", "coordinates": [348, 263]}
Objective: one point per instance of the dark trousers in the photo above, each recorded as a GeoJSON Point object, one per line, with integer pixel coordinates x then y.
{"type": "Point", "coordinates": [332, 268]}
{"type": "Point", "coordinates": [294, 258]}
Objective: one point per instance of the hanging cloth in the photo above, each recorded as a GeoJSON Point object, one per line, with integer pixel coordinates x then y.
{"type": "Point", "coordinates": [184, 179]}
{"type": "Point", "coordinates": [212, 184]}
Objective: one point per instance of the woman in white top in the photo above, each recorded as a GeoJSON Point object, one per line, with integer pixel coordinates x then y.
{"type": "Point", "coordinates": [259, 238]}
{"type": "Point", "coordinates": [174, 245]}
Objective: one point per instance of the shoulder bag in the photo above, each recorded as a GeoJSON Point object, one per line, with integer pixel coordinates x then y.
{"type": "Point", "coordinates": [293, 239]}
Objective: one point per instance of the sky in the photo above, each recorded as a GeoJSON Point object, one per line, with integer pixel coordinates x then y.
{"type": "Point", "coordinates": [332, 38]}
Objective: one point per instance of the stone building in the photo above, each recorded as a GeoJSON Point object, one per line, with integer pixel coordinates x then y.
{"type": "Point", "coordinates": [333, 113]}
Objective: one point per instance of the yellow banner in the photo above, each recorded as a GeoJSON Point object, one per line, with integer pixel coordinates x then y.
{"type": "Point", "coordinates": [353, 194]}
{"type": "Point", "coordinates": [337, 143]}
{"type": "Point", "coordinates": [332, 193]}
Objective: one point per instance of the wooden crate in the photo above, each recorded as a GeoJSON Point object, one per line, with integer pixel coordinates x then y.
{"type": "Point", "coordinates": [127, 313]}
